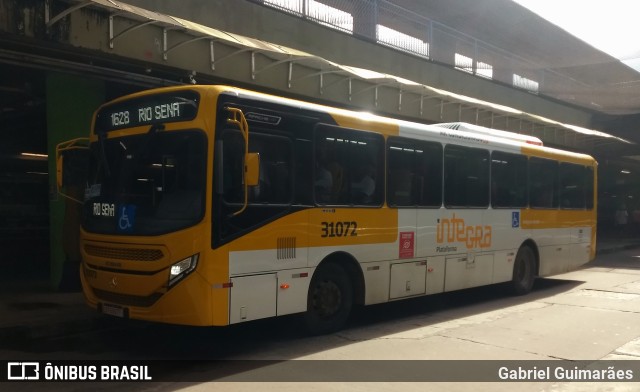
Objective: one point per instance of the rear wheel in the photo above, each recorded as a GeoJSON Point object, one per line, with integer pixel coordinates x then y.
{"type": "Point", "coordinates": [329, 300]}
{"type": "Point", "coordinates": [523, 271]}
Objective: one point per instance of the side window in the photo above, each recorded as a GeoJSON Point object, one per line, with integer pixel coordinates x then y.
{"type": "Point", "coordinates": [572, 186]}
{"type": "Point", "coordinates": [543, 183]}
{"type": "Point", "coordinates": [302, 152]}
{"type": "Point", "coordinates": [508, 180]}
{"type": "Point", "coordinates": [232, 153]}
{"type": "Point", "coordinates": [589, 185]}
{"type": "Point", "coordinates": [274, 185]}
{"type": "Point", "coordinates": [271, 197]}
{"type": "Point", "coordinates": [348, 167]}
{"type": "Point", "coordinates": [414, 173]}
{"type": "Point", "coordinates": [466, 177]}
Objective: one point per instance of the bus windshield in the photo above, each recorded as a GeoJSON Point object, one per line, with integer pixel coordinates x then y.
{"type": "Point", "coordinates": [147, 184]}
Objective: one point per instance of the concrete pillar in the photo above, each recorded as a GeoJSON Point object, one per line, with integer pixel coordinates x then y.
{"type": "Point", "coordinates": [71, 101]}
{"type": "Point", "coordinates": [365, 19]}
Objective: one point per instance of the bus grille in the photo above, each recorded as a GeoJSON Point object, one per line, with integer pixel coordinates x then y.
{"type": "Point", "coordinates": [128, 300]}
{"type": "Point", "coordinates": [135, 254]}
{"type": "Point", "coordinates": [286, 248]}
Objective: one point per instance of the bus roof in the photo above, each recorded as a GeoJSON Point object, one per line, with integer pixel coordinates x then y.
{"type": "Point", "coordinates": [530, 144]}
{"type": "Point", "coordinates": [373, 122]}
{"type": "Point", "coordinates": [463, 126]}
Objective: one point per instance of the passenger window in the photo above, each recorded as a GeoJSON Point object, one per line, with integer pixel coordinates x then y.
{"type": "Point", "coordinates": [572, 186]}
{"type": "Point", "coordinates": [589, 185]}
{"type": "Point", "coordinates": [508, 180]}
{"type": "Point", "coordinates": [232, 153]}
{"type": "Point", "coordinates": [543, 183]}
{"type": "Point", "coordinates": [274, 185]}
{"type": "Point", "coordinates": [348, 167]}
{"type": "Point", "coordinates": [414, 173]}
{"type": "Point", "coordinates": [466, 177]}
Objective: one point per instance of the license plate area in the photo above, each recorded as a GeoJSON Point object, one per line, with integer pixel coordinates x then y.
{"type": "Point", "coordinates": [114, 310]}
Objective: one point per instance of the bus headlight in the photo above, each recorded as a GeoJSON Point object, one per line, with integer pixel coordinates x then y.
{"type": "Point", "coordinates": [181, 269]}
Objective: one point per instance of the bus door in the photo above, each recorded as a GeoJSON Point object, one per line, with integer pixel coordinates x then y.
{"type": "Point", "coordinates": [408, 274]}
{"type": "Point", "coordinates": [414, 187]}
{"type": "Point", "coordinates": [465, 239]}
{"type": "Point", "coordinates": [429, 249]}
{"type": "Point", "coordinates": [266, 234]}
{"type": "Point", "coordinates": [464, 231]}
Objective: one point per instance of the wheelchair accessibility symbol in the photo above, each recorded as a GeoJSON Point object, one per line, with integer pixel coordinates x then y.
{"type": "Point", "coordinates": [126, 218]}
{"type": "Point", "coordinates": [515, 219]}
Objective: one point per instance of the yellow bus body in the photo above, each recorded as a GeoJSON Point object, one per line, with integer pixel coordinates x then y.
{"type": "Point", "coordinates": [268, 271]}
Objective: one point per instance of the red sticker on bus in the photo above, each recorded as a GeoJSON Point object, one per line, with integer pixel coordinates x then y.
{"type": "Point", "coordinates": [406, 244]}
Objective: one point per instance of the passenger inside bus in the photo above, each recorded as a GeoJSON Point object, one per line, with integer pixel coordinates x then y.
{"type": "Point", "coordinates": [323, 183]}
{"type": "Point", "coordinates": [329, 178]}
{"type": "Point", "coordinates": [364, 186]}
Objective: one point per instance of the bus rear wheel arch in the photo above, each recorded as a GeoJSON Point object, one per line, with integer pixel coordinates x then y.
{"type": "Point", "coordinates": [330, 299]}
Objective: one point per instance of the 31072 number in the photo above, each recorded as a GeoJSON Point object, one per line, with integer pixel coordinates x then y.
{"type": "Point", "coordinates": [339, 229]}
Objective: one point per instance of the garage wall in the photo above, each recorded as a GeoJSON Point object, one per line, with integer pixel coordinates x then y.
{"type": "Point", "coordinates": [71, 101]}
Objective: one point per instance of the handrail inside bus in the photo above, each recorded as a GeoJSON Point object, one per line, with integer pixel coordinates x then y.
{"type": "Point", "coordinates": [237, 118]}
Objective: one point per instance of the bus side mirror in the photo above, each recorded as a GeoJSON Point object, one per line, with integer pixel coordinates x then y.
{"type": "Point", "coordinates": [252, 169]}
{"type": "Point", "coordinates": [59, 171]}
{"type": "Point", "coordinates": [72, 159]}
{"type": "Point", "coordinates": [72, 168]}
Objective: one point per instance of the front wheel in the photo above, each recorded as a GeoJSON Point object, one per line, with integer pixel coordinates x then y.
{"type": "Point", "coordinates": [329, 300]}
{"type": "Point", "coordinates": [523, 271]}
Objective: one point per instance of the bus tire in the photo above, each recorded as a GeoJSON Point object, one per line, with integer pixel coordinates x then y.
{"type": "Point", "coordinates": [329, 300]}
{"type": "Point", "coordinates": [523, 271]}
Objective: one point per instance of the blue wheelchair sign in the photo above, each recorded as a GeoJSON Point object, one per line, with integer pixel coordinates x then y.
{"type": "Point", "coordinates": [515, 219]}
{"type": "Point", "coordinates": [126, 218]}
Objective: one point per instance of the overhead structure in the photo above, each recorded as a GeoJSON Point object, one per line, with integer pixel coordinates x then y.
{"type": "Point", "coordinates": [208, 53]}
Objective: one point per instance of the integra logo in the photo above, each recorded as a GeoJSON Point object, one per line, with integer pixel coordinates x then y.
{"type": "Point", "coordinates": [456, 230]}
{"type": "Point", "coordinates": [263, 118]}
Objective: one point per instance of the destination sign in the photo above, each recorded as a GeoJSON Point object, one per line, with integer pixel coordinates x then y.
{"type": "Point", "coordinates": [148, 110]}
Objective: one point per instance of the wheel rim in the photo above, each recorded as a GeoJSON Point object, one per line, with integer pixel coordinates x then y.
{"type": "Point", "coordinates": [327, 298]}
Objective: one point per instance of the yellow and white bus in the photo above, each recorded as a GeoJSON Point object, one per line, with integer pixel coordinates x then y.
{"type": "Point", "coordinates": [212, 205]}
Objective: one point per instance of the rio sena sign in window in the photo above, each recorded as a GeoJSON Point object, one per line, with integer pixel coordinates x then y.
{"type": "Point", "coordinates": [147, 110]}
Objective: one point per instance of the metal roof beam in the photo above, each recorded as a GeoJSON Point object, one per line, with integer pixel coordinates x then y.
{"type": "Point", "coordinates": [55, 19]}
{"type": "Point", "coordinates": [291, 59]}
{"type": "Point", "coordinates": [113, 37]}
{"type": "Point", "coordinates": [166, 49]}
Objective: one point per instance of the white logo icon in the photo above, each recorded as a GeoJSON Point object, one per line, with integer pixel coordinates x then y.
{"type": "Point", "coordinates": [23, 371]}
